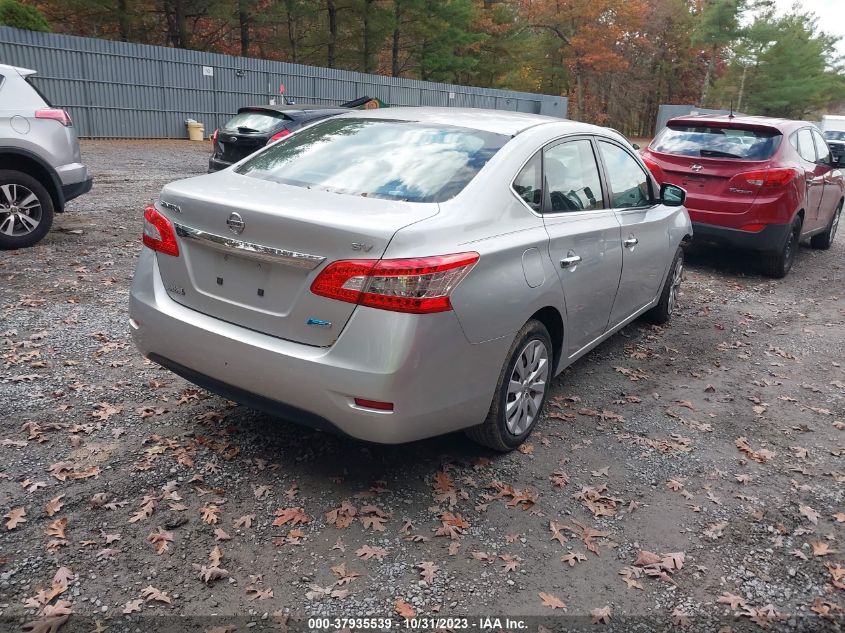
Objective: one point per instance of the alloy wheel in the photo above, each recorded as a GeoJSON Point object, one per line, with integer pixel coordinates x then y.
{"type": "Point", "coordinates": [677, 275]}
{"type": "Point", "coordinates": [20, 210]}
{"type": "Point", "coordinates": [527, 387]}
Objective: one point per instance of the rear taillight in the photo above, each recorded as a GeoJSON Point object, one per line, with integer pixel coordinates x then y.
{"type": "Point", "coordinates": [768, 178]}
{"type": "Point", "coordinates": [214, 135]}
{"type": "Point", "coordinates": [655, 169]}
{"type": "Point", "coordinates": [279, 135]}
{"type": "Point", "coordinates": [56, 114]}
{"type": "Point", "coordinates": [159, 233]}
{"type": "Point", "coordinates": [420, 285]}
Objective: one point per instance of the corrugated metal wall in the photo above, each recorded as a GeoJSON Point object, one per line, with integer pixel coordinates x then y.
{"type": "Point", "coordinates": [122, 90]}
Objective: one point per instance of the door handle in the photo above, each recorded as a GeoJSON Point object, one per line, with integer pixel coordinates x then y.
{"type": "Point", "coordinates": [631, 241]}
{"type": "Point", "coordinates": [568, 262]}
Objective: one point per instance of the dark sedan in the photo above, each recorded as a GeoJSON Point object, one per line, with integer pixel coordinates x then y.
{"type": "Point", "coordinates": [253, 127]}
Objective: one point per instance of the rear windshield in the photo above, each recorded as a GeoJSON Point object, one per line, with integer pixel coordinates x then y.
{"type": "Point", "coordinates": [255, 121]}
{"type": "Point", "coordinates": [717, 142]}
{"type": "Point", "coordinates": [833, 135]}
{"type": "Point", "coordinates": [397, 160]}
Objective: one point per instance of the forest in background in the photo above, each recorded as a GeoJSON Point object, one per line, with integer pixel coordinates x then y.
{"type": "Point", "coordinates": [616, 60]}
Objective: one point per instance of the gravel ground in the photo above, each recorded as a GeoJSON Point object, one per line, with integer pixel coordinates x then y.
{"type": "Point", "coordinates": [690, 476]}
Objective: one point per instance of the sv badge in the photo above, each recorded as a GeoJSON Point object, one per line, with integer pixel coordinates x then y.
{"type": "Point", "coordinates": [360, 246]}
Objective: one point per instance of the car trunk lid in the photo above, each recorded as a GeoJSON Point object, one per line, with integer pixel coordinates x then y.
{"type": "Point", "coordinates": [710, 182]}
{"type": "Point", "coordinates": [250, 249]}
{"type": "Point", "coordinates": [235, 146]}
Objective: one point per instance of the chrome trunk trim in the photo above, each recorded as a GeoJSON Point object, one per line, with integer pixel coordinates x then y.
{"type": "Point", "coordinates": [250, 251]}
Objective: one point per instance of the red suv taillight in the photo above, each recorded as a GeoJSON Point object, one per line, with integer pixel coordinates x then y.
{"type": "Point", "coordinates": [420, 285]}
{"type": "Point", "coordinates": [159, 233]}
{"type": "Point", "coordinates": [774, 178]}
{"type": "Point", "coordinates": [279, 135]}
{"type": "Point", "coordinates": [654, 168]}
{"type": "Point", "coordinates": [56, 114]}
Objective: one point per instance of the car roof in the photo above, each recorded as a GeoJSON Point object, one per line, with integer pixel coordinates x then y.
{"type": "Point", "coordinates": [295, 111]}
{"type": "Point", "coordinates": [498, 121]}
{"type": "Point", "coordinates": [740, 121]}
{"type": "Point", "coordinates": [23, 72]}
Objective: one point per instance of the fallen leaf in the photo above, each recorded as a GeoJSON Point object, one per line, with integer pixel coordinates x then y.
{"type": "Point", "coordinates": [15, 517]}
{"type": "Point", "coordinates": [551, 601]}
{"type": "Point", "coordinates": [601, 615]}
{"type": "Point", "coordinates": [54, 505]}
{"type": "Point", "coordinates": [812, 515]}
{"type": "Point", "coordinates": [403, 609]}
{"type": "Point", "coordinates": [367, 552]}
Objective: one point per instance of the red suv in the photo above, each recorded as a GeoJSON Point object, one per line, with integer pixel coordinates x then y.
{"type": "Point", "coordinates": [752, 182]}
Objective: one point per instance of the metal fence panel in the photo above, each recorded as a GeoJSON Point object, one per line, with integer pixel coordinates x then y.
{"type": "Point", "coordinates": [125, 90]}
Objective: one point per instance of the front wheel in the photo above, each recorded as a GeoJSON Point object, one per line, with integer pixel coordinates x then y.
{"type": "Point", "coordinates": [777, 264]}
{"type": "Point", "coordinates": [660, 313]}
{"type": "Point", "coordinates": [824, 240]}
{"type": "Point", "coordinates": [521, 391]}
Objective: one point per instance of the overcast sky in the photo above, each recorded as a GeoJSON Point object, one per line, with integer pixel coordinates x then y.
{"type": "Point", "coordinates": [831, 15]}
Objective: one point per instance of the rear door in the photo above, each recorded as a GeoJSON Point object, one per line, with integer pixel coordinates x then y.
{"type": "Point", "coordinates": [814, 176]}
{"type": "Point", "coordinates": [832, 191]}
{"type": "Point", "coordinates": [584, 239]}
{"type": "Point", "coordinates": [646, 245]}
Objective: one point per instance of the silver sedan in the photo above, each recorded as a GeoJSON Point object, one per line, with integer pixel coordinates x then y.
{"type": "Point", "coordinates": [398, 274]}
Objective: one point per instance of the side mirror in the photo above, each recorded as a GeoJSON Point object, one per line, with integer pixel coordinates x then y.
{"type": "Point", "coordinates": [672, 195]}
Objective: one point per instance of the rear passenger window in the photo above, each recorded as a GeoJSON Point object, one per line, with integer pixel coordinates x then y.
{"type": "Point", "coordinates": [805, 145]}
{"type": "Point", "coordinates": [628, 182]}
{"type": "Point", "coordinates": [822, 149]}
{"type": "Point", "coordinates": [529, 185]}
{"type": "Point", "coordinates": [572, 177]}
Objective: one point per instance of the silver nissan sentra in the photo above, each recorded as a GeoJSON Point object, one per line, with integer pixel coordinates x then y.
{"type": "Point", "coordinates": [398, 274]}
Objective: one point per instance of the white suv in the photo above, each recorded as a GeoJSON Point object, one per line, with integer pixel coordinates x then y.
{"type": "Point", "coordinates": [40, 164]}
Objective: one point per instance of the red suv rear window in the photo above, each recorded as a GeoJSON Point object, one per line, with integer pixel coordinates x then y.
{"type": "Point", "coordinates": [717, 142]}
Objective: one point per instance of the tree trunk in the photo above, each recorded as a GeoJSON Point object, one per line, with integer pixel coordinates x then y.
{"type": "Point", "coordinates": [177, 30]}
{"type": "Point", "coordinates": [366, 26]}
{"type": "Point", "coordinates": [123, 27]}
{"type": "Point", "coordinates": [579, 95]}
{"type": "Point", "coordinates": [741, 88]}
{"type": "Point", "coordinates": [332, 11]}
{"type": "Point", "coordinates": [708, 75]}
{"type": "Point", "coordinates": [243, 21]}
{"type": "Point", "coordinates": [397, 16]}
{"type": "Point", "coordinates": [292, 35]}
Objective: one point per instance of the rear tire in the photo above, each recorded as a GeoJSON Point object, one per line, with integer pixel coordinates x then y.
{"type": "Point", "coordinates": [521, 391]}
{"type": "Point", "coordinates": [824, 240]}
{"type": "Point", "coordinates": [26, 210]}
{"type": "Point", "coordinates": [777, 265]}
{"type": "Point", "coordinates": [661, 313]}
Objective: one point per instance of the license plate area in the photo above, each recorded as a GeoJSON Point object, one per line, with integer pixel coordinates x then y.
{"type": "Point", "coordinates": [242, 280]}
{"type": "Point", "coordinates": [249, 284]}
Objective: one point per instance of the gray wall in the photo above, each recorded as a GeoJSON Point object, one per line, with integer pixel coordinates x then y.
{"type": "Point", "coordinates": [666, 112]}
{"type": "Point", "coordinates": [122, 90]}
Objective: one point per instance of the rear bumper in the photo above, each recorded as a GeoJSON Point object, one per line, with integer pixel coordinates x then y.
{"type": "Point", "coordinates": [215, 164]}
{"type": "Point", "coordinates": [770, 239]}
{"type": "Point", "coordinates": [76, 189]}
{"type": "Point", "coordinates": [423, 364]}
